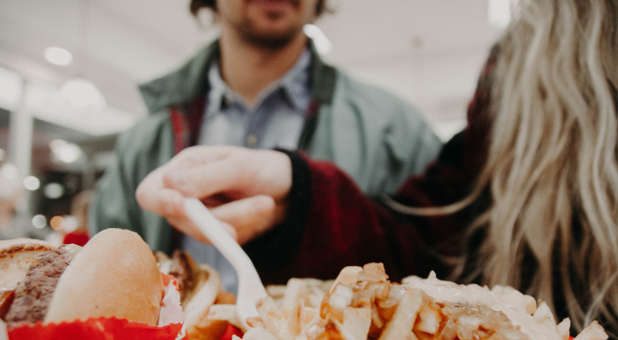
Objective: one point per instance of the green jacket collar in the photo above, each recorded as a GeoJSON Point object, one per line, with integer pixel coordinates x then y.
{"type": "Point", "coordinates": [191, 81]}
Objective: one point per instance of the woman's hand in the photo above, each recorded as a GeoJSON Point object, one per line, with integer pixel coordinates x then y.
{"type": "Point", "coordinates": [245, 188]}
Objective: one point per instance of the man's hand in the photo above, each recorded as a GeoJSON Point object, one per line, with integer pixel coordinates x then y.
{"type": "Point", "coordinates": [245, 188]}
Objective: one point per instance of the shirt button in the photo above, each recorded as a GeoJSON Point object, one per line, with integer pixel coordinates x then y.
{"type": "Point", "coordinates": [251, 140]}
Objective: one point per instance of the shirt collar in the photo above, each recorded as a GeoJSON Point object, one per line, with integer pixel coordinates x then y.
{"type": "Point", "coordinates": [218, 88]}
{"type": "Point", "coordinates": [294, 84]}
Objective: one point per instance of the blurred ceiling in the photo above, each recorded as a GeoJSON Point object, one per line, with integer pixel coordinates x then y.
{"type": "Point", "coordinates": [427, 51]}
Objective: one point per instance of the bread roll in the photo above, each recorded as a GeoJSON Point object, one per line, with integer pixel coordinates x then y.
{"type": "Point", "coordinates": [114, 275]}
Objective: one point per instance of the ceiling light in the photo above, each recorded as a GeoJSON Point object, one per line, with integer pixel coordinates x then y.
{"type": "Point", "coordinates": [64, 151]}
{"type": "Point", "coordinates": [83, 94]}
{"type": "Point", "coordinates": [321, 42]}
{"type": "Point", "coordinates": [53, 190]}
{"type": "Point", "coordinates": [58, 56]}
{"type": "Point", "coordinates": [39, 221]}
{"type": "Point", "coordinates": [32, 183]}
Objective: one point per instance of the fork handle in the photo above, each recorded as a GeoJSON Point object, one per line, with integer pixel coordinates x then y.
{"type": "Point", "coordinates": [215, 231]}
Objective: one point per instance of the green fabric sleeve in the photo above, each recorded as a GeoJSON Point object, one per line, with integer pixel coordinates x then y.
{"type": "Point", "coordinates": [114, 201]}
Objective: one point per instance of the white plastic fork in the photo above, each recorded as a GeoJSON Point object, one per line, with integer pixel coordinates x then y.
{"type": "Point", "coordinates": [250, 287]}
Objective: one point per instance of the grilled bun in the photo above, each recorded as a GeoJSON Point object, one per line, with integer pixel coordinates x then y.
{"type": "Point", "coordinates": [16, 256]}
{"type": "Point", "coordinates": [114, 275]}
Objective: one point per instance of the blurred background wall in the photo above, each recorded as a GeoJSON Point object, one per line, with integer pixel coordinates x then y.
{"type": "Point", "coordinates": [69, 70]}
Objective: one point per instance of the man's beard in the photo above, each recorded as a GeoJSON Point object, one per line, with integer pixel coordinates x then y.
{"type": "Point", "coordinates": [267, 41]}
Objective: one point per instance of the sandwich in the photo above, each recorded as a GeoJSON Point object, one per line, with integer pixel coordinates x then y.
{"type": "Point", "coordinates": [114, 275]}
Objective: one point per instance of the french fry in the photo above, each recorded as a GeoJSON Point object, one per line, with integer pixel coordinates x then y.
{"type": "Point", "coordinates": [387, 307]}
{"type": "Point", "coordinates": [332, 331]}
{"type": "Point", "coordinates": [315, 297]}
{"type": "Point", "coordinates": [292, 302]}
{"type": "Point", "coordinates": [225, 298]}
{"type": "Point", "coordinates": [400, 326]}
{"type": "Point", "coordinates": [563, 328]}
{"type": "Point", "coordinates": [544, 314]}
{"type": "Point", "coordinates": [215, 323]}
{"type": "Point", "coordinates": [307, 317]}
{"type": "Point", "coordinates": [347, 277]}
{"type": "Point", "coordinates": [274, 320]}
{"type": "Point", "coordinates": [276, 291]}
{"type": "Point", "coordinates": [515, 299]}
{"type": "Point", "coordinates": [335, 302]}
{"type": "Point", "coordinates": [429, 320]}
{"type": "Point", "coordinates": [356, 322]}
{"type": "Point", "coordinates": [593, 332]}
{"type": "Point", "coordinates": [258, 334]}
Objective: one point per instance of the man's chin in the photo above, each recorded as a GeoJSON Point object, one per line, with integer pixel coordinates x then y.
{"type": "Point", "coordinates": [271, 40]}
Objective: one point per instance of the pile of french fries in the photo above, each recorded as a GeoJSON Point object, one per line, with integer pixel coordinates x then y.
{"type": "Point", "coordinates": [361, 304]}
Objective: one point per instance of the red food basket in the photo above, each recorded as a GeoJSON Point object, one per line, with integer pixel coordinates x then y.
{"type": "Point", "coordinates": [103, 329]}
{"type": "Point", "coordinates": [95, 329]}
{"type": "Point", "coordinates": [79, 237]}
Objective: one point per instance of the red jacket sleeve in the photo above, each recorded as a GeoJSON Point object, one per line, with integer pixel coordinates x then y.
{"type": "Point", "coordinates": [332, 223]}
{"type": "Point", "coordinates": [344, 227]}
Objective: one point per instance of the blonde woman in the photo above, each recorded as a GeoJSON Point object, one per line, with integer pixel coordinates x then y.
{"type": "Point", "coordinates": [526, 195]}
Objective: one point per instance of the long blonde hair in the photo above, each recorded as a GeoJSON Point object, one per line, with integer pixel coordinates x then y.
{"type": "Point", "coordinates": [551, 164]}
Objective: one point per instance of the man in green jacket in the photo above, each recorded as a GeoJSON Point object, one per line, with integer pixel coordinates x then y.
{"type": "Point", "coordinates": [261, 85]}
